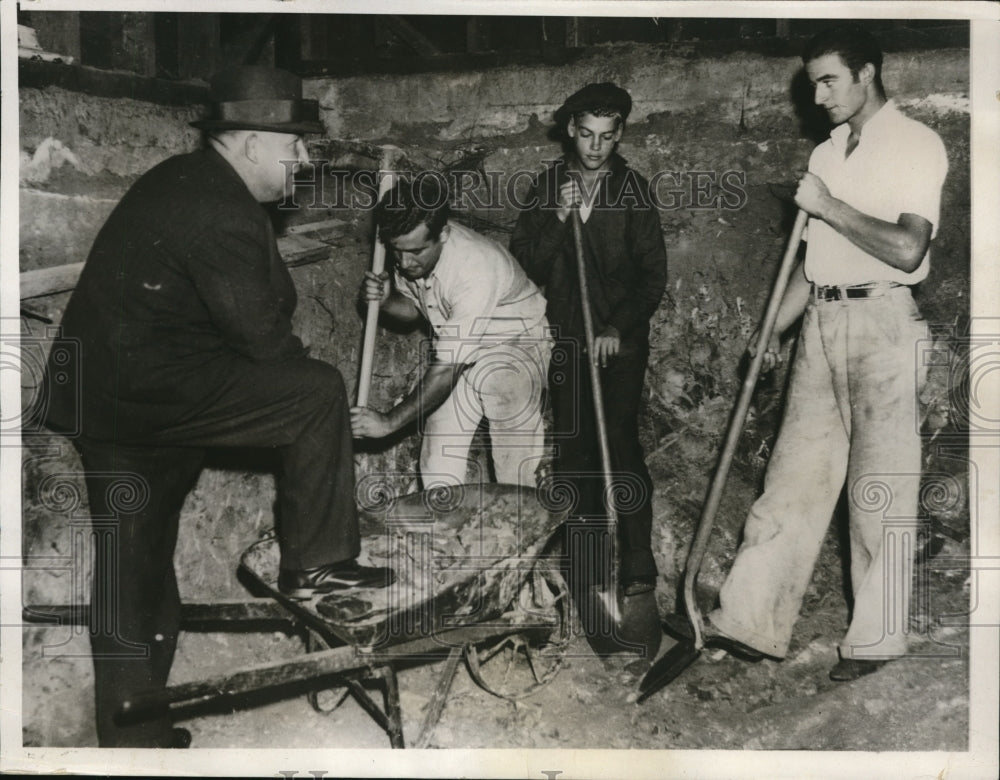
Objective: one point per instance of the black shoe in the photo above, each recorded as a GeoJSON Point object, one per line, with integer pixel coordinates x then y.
{"type": "Point", "coordinates": [181, 738]}
{"type": "Point", "coordinates": [305, 583]}
{"type": "Point", "coordinates": [848, 669]}
{"type": "Point", "coordinates": [637, 585]}
{"type": "Point", "coordinates": [679, 627]}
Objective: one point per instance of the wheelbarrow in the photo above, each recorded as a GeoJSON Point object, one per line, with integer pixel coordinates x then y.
{"type": "Point", "coordinates": [473, 579]}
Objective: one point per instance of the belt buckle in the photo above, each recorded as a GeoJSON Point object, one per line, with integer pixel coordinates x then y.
{"type": "Point", "coordinates": [826, 293]}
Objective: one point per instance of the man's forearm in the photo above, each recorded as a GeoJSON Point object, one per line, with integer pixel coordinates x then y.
{"type": "Point", "coordinates": [901, 245]}
{"type": "Point", "coordinates": [794, 301]}
{"type": "Point", "coordinates": [400, 308]}
{"type": "Point", "coordinates": [434, 387]}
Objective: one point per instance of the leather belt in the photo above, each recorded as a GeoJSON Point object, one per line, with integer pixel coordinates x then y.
{"type": "Point", "coordinates": [852, 291]}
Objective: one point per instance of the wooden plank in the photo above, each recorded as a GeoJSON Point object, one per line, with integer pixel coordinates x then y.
{"type": "Point", "coordinates": [295, 249]}
{"type": "Point", "coordinates": [298, 249]}
{"type": "Point", "coordinates": [49, 281]}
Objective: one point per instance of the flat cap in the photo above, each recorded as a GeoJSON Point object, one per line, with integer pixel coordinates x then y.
{"type": "Point", "coordinates": [605, 96]}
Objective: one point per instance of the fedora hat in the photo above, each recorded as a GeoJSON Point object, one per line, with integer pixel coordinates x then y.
{"type": "Point", "coordinates": [254, 97]}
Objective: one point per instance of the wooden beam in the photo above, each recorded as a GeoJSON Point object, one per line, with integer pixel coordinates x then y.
{"type": "Point", "coordinates": [477, 35]}
{"type": "Point", "coordinates": [572, 32]}
{"type": "Point", "coordinates": [138, 44]}
{"type": "Point", "coordinates": [411, 35]}
{"type": "Point", "coordinates": [199, 47]}
{"type": "Point", "coordinates": [106, 83]}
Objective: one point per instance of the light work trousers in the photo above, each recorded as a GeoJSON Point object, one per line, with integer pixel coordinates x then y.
{"type": "Point", "coordinates": [851, 414]}
{"type": "Point", "coordinates": [504, 386]}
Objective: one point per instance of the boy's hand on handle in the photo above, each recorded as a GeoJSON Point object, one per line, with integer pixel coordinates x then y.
{"type": "Point", "coordinates": [570, 195]}
{"type": "Point", "coordinates": [606, 345]}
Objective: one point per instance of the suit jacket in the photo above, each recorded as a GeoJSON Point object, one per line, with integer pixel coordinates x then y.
{"type": "Point", "coordinates": [183, 283]}
{"type": "Point", "coordinates": [624, 254]}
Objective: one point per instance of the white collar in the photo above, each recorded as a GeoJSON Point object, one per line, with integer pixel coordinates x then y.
{"type": "Point", "coordinates": [881, 118]}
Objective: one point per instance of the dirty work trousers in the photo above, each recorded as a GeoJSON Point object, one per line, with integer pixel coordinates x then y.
{"type": "Point", "coordinates": [505, 387]}
{"type": "Point", "coordinates": [136, 490]}
{"type": "Point", "coordinates": [851, 414]}
{"type": "Point", "coordinates": [578, 458]}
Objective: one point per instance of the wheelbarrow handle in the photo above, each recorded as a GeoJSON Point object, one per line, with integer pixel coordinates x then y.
{"type": "Point", "coordinates": [711, 507]}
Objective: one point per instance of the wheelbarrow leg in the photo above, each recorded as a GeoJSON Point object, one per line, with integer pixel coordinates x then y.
{"type": "Point", "coordinates": [393, 712]}
{"type": "Point", "coordinates": [389, 718]}
{"type": "Point", "coordinates": [440, 697]}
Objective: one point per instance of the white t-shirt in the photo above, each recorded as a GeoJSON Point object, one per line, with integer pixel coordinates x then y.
{"type": "Point", "coordinates": [898, 167]}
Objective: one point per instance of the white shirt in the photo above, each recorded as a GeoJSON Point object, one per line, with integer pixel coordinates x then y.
{"type": "Point", "coordinates": [477, 297]}
{"type": "Point", "coordinates": [898, 167]}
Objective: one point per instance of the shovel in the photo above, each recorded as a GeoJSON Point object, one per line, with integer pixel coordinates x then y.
{"type": "Point", "coordinates": [614, 623]}
{"type": "Point", "coordinates": [687, 651]}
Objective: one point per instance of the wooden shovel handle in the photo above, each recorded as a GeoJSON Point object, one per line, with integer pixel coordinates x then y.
{"type": "Point", "coordinates": [371, 317]}
{"type": "Point", "coordinates": [711, 507]}
{"type": "Point", "coordinates": [595, 375]}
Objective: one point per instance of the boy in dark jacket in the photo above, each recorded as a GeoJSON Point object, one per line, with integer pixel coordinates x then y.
{"type": "Point", "coordinates": [626, 268]}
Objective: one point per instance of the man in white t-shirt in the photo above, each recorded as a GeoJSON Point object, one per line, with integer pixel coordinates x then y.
{"type": "Point", "coordinates": [873, 195]}
{"type": "Point", "coordinates": [491, 341]}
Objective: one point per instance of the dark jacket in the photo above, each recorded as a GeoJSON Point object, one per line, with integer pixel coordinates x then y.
{"type": "Point", "coordinates": [623, 248]}
{"type": "Point", "coordinates": [183, 282]}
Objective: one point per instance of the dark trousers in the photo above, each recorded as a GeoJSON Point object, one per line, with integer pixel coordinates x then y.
{"type": "Point", "coordinates": [136, 490]}
{"type": "Point", "coordinates": [578, 457]}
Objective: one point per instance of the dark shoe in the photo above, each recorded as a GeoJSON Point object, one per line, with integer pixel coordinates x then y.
{"type": "Point", "coordinates": [637, 585]}
{"type": "Point", "coordinates": [181, 738]}
{"type": "Point", "coordinates": [679, 627]}
{"type": "Point", "coordinates": [848, 669]}
{"type": "Point", "coordinates": [305, 583]}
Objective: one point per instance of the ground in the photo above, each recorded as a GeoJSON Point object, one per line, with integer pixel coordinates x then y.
{"type": "Point", "coordinates": [920, 703]}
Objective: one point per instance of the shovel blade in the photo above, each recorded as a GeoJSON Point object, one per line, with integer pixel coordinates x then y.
{"type": "Point", "coordinates": [615, 624]}
{"type": "Point", "coordinates": [674, 661]}
{"type": "Point", "coordinates": [640, 623]}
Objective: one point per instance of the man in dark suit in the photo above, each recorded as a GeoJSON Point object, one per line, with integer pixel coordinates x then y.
{"type": "Point", "coordinates": [183, 318]}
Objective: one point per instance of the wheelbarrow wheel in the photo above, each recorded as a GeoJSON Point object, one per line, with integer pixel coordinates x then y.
{"type": "Point", "coordinates": [522, 662]}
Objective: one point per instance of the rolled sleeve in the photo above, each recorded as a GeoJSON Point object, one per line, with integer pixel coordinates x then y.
{"type": "Point", "coordinates": [921, 179]}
